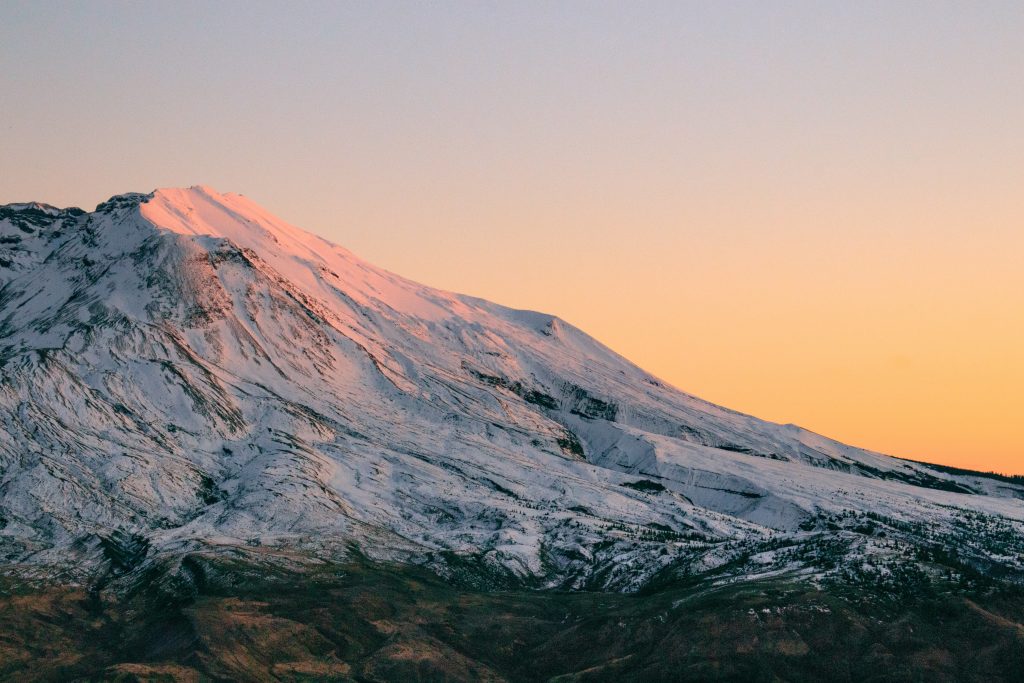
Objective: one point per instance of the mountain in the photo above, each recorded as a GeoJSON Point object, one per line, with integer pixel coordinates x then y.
{"type": "Point", "coordinates": [181, 370]}
{"type": "Point", "coordinates": [231, 450]}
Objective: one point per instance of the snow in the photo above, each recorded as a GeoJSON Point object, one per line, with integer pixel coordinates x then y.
{"type": "Point", "coordinates": [185, 366]}
{"type": "Point", "coordinates": [37, 206]}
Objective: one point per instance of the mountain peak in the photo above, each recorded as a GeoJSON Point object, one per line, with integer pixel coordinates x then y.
{"type": "Point", "coordinates": [30, 211]}
{"type": "Point", "coordinates": [203, 211]}
{"type": "Point", "coordinates": [18, 207]}
{"type": "Point", "coordinates": [185, 369]}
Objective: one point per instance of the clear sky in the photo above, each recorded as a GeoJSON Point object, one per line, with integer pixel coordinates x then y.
{"type": "Point", "coordinates": [812, 212]}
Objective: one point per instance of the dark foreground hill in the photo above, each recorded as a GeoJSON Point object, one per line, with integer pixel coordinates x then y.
{"type": "Point", "coordinates": [361, 621]}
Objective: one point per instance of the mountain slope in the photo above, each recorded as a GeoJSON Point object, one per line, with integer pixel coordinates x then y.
{"type": "Point", "coordinates": [182, 370]}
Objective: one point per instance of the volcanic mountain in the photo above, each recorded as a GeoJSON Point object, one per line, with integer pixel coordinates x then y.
{"type": "Point", "coordinates": [183, 372]}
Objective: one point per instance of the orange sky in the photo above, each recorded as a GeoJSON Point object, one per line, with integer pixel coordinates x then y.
{"type": "Point", "coordinates": [812, 212]}
{"type": "Point", "coordinates": [896, 329]}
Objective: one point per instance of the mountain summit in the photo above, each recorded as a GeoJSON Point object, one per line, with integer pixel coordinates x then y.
{"type": "Point", "coordinates": [181, 371]}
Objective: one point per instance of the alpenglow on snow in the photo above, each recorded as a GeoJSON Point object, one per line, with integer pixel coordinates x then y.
{"type": "Point", "coordinates": [181, 370]}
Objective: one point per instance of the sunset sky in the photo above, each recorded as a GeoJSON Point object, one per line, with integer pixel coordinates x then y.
{"type": "Point", "coordinates": [811, 212]}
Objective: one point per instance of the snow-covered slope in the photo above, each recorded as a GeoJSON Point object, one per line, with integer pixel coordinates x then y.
{"type": "Point", "coordinates": [182, 369]}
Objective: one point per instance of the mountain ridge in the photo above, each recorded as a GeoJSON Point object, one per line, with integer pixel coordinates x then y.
{"type": "Point", "coordinates": [184, 369]}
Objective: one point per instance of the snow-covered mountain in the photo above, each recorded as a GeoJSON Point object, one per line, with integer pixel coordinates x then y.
{"type": "Point", "coordinates": [182, 370]}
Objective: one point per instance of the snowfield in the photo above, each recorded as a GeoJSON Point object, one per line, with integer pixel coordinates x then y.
{"type": "Point", "coordinates": [182, 370]}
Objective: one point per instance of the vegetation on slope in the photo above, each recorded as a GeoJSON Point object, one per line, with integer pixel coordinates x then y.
{"type": "Point", "coordinates": [215, 619]}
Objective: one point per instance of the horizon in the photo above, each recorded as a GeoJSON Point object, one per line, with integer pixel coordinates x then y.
{"type": "Point", "coordinates": [826, 233]}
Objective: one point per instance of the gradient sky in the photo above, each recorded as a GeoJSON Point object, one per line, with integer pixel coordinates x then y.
{"type": "Point", "coordinates": [812, 212]}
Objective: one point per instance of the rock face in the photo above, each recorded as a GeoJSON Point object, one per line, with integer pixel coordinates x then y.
{"type": "Point", "coordinates": [183, 370]}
